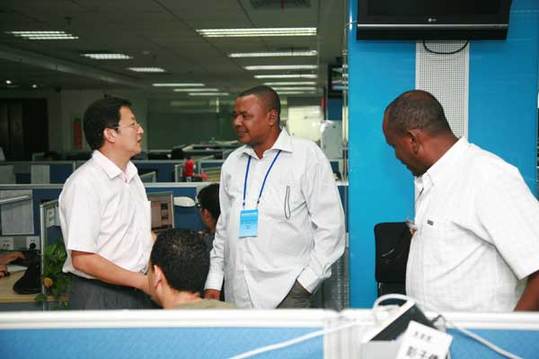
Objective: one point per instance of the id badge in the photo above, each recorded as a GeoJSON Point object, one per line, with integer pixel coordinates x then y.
{"type": "Point", "coordinates": [248, 223]}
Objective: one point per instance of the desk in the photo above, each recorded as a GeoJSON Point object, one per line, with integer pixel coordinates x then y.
{"type": "Point", "coordinates": [9, 300]}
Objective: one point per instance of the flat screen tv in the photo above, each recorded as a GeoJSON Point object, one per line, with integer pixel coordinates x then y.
{"type": "Point", "coordinates": [433, 19]}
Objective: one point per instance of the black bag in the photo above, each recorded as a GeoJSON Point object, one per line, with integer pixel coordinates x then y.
{"type": "Point", "coordinates": [392, 247]}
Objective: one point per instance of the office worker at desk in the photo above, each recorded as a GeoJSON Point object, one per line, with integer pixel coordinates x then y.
{"type": "Point", "coordinates": [282, 224]}
{"type": "Point", "coordinates": [105, 214]}
{"type": "Point", "coordinates": [179, 265]}
{"type": "Point", "coordinates": [476, 240]}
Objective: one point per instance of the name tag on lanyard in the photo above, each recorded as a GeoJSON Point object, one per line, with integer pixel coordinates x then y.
{"type": "Point", "coordinates": [248, 223]}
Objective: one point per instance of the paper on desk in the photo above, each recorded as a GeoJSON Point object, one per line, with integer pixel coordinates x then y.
{"type": "Point", "coordinates": [11, 268]}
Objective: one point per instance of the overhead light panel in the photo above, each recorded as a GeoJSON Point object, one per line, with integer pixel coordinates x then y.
{"type": "Point", "coordinates": [179, 84]}
{"type": "Point", "coordinates": [106, 56]}
{"type": "Point", "coordinates": [43, 35]}
{"type": "Point", "coordinates": [296, 92]}
{"type": "Point", "coordinates": [287, 76]}
{"type": "Point", "coordinates": [259, 32]}
{"type": "Point", "coordinates": [290, 83]}
{"type": "Point", "coordinates": [290, 88]}
{"type": "Point", "coordinates": [292, 53]}
{"type": "Point", "coordinates": [280, 67]}
{"type": "Point", "coordinates": [8, 82]}
{"type": "Point", "coordinates": [208, 94]}
{"type": "Point", "coordinates": [146, 69]}
{"type": "Point", "coordinates": [197, 90]}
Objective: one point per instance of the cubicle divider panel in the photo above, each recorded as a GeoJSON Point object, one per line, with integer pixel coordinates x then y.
{"type": "Point", "coordinates": [158, 333]}
{"type": "Point", "coordinates": [164, 168]}
{"type": "Point", "coordinates": [60, 171]}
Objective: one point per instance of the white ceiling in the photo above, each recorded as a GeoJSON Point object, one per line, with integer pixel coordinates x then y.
{"type": "Point", "coordinates": [160, 33]}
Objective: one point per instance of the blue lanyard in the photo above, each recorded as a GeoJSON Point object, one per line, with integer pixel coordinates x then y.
{"type": "Point", "coordinates": [263, 182]}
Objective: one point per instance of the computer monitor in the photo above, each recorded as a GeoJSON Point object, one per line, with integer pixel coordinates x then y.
{"type": "Point", "coordinates": [162, 210]}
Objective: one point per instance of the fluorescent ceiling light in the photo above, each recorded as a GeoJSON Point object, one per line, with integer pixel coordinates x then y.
{"type": "Point", "coordinates": [308, 88]}
{"type": "Point", "coordinates": [178, 84]}
{"type": "Point", "coordinates": [208, 94]}
{"type": "Point", "coordinates": [280, 67]}
{"type": "Point", "coordinates": [258, 32]}
{"type": "Point", "coordinates": [296, 92]}
{"type": "Point", "coordinates": [8, 82]}
{"type": "Point", "coordinates": [106, 56]}
{"type": "Point", "coordinates": [146, 69]}
{"type": "Point", "coordinates": [275, 53]}
{"type": "Point", "coordinates": [43, 35]}
{"type": "Point", "coordinates": [290, 83]}
{"type": "Point", "coordinates": [287, 76]}
{"type": "Point", "coordinates": [197, 90]}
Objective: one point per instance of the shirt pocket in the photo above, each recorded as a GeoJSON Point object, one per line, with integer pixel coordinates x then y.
{"type": "Point", "coordinates": [282, 202]}
{"type": "Point", "coordinates": [444, 243]}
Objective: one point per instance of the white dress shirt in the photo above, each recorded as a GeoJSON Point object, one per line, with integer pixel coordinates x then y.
{"type": "Point", "coordinates": [477, 235]}
{"type": "Point", "coordinates": [105, 211]}
{"type": "Point", "coordinates": [300, 224]}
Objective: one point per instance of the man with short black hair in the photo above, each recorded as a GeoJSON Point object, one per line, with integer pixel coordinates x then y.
{"type": "Point", "coordinates": [282, 223]}
{"type": "Point", "coordinates": [179, 264]}
{"type": "Point", "coordinates": [476, 237]}
{"type": "Point", "coordinates": [105, 214]}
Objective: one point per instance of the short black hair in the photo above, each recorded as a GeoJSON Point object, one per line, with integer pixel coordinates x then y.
{"type": "Point", "coordinates": [417, 109]}
{"type": "Point", "coordinates": [268, 95]}
{"type": "Point", "coordinates": [103, 113]}
{"type": "Point", "coordinates": [208, 198]}
{"type": "Point", "coordinates": [182, 256]}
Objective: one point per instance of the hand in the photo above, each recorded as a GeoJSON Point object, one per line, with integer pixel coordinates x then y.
{"type": "Point", "coordinates": [10, 257]}
{"type": "Point", "coordinates": [3, 271]}
{"type": "Point", "coordinates": [212, 294]}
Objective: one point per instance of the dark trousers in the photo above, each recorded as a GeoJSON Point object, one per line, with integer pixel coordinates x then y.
{"type": "Point", "coordinates": [298, 297]}
{"type": "Point", "coordinates": [92, 294]}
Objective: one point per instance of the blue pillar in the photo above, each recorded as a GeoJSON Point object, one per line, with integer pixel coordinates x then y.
{"type": "Point", "coordinates": [502, 118]}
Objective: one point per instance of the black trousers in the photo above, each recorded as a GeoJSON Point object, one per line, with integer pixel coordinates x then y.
{"type": "Point", "coordinates": [92, 294]}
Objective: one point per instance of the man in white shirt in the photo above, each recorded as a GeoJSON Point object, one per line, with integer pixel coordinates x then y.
{"type": "Point", "coordinates": [476, 237]}
{"type": "Point", "coordinates": [282, 224]}
{"type": "Point", "coordinates": [105, 214]}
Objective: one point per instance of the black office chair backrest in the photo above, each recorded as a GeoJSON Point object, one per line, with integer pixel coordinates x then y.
{"type": "Point", "coordinates": [392, 247]}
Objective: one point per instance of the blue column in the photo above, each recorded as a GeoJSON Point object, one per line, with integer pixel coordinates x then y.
{"type": "Point", "coordinates": [502, 119]}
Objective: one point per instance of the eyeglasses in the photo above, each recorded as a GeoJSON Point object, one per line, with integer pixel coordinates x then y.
{"type": "Point", "coordinates": [135, 126]}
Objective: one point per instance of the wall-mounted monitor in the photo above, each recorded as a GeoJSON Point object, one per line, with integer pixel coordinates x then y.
{"type": "Point", "coordinates": [433, 19]}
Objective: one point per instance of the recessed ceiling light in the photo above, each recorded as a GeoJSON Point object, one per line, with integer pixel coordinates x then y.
{"type": "Point", "coordinates": [307, 88]}
{"type": "Point", "coordinates": [208, 94]}
{"type": "Point", "coordinates": [290, 83]}
{"type": "Point", "coordinates": [275, 53]}
{"type": "Point", "coordinates": [196, 90]}
{"type": "Point", "coordinates": [287, 76]}
{"type": "Point", "coordinates": [258, 32]}
{"type": "Point", "coordinates": [280, 67]}
{"type": "Point", "coordinates": [178, 84]}
{"type": "Point", "coordinates": [296, 92]}
{"type": "Point", "coordinates": [146, 69]}
{"type": "Point", "coordinates": [8, 82]}
{"type": "Point", "coordinates": [34, 86]}
{"type": "Point", "coordinates": [106, 56]}
{"type": "Point", "coordinates": [43, 35]}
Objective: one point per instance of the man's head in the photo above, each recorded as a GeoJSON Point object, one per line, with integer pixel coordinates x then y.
{"type": "Point", "coordinates": [208, 200]}
{"type": "Point", "coordinates": [256, 115]}
{"type": "Point", "coordinates": [179, 262]}
{"type": "Point", "coordinates": [111, 122]}
{"type": "Point", "coordinates": [412, 123]}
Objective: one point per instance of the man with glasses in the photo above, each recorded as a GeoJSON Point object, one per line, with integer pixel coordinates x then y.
{"type": "Point", "coordinates": [105, 214]}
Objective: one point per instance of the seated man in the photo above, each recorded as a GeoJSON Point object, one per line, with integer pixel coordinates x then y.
{"type": "Point", "coordinates": [178, 268]}
{"type": "Point", "coordinates": [208, 204]}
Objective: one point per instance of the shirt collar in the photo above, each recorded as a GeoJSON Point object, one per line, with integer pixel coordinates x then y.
{"type": "Point", "coordinates": [111, 169]}
{"type": "Point", "coordinates": [283, 143]}
{"type": "Point", "coordinates": [443, 167]}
